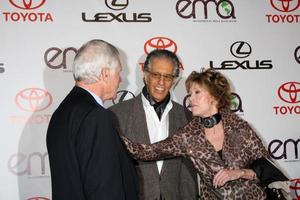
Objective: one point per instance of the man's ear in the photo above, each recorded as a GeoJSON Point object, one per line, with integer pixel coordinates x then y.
{"type": "Point", "coordinates": [105, 74]}
{"type": "Point", "coordinates": [145, 78]}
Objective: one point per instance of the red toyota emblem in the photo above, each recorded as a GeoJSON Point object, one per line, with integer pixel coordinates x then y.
{"type": "Point", "coordinates": [160, 43]}
{"type": "Point", "coordinates": [38, 198]}
{"type": "Point", "coordinates": [285, 5]}
{"type": "Point", "coordinates": [33, 99]}
{"type": "Point", "coordinates": [295, 188]}
{"type": "Point", "coordinates": [289, 92]}
{"type": "Point", "coordinates": [27, 4]}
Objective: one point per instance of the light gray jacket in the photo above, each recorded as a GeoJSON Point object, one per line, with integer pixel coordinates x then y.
{"type": "Point", "coordinates": [178, 180]}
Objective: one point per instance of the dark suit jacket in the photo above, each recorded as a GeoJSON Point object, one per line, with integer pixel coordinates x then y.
{"type": "Point", "coordinates": [87, 159]}
{"type": "Point", "coordinates": [177, 180]}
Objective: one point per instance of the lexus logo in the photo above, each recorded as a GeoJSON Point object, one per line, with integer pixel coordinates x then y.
{"type": "Point", "coordinates": [297, 54]}
{"type": "Point", "coordinates": [33, 99]}
{"type": "Point", "coordinates": [240, 49]}
{"type": "Point", "coordinates": [28, 4]}
{"type": "Point", "coordinates": [285, 5]}
{"type": "Point", "coordinates": [116, 4]}
{"type": "Point", "coordinates": [289, 92]}
{"type": "Point", "coordinates": [160, 43]}
{"type": "Point", "coordinates": [123, 95]}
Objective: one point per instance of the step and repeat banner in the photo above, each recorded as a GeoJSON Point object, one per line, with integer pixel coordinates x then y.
{"type": "Point", "coordinates": [255, 43]}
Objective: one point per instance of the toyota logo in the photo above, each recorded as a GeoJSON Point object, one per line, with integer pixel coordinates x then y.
{"type": "Point", "coordinates": [123, 95]}
{"type": "Point", "coordinates": [160, 43]}
{"type": "Point", "coordinates": [289, 92]}
{"type": "Point", "coordinates": [28, 4]}
{"type": "Point", "coordinates": [33, 99]}
{"type": "Point", "coordinates": [116, 4]}
{"type": "Point", "coordinates": [297, 54]}
{"type": "Point", "coordinates": [285, 5]}
{"type": "Point", "coordinates": [295, 186]}
{"type": "Point", "coordinates": [240, 49]}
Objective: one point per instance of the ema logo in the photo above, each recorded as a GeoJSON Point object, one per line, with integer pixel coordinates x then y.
{"type": "Point", "coordinates": [33, 165]}
{"type": "Point", "coordinates": [289, 93]}
{"type": "Point", "coordinates": [27, 13]}
{"type": "Point", "coordinates": [191, 9]}
{"type": "Point", "coordinates": [115, 16]}
{"type": "Point", "coordinates": [287, 149]}
{"type": "Point", "coordinates": [284, 6]}
{"type": "Point", "coordinates": [56, 58]}
{"type": "Point", "coordinates": [236, 103]}
{"type": "Point", "coordinates": [240, 50]}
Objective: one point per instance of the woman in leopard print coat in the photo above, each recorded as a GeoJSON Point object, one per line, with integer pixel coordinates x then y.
{"type": "Point", "coordinates": [222, 151]}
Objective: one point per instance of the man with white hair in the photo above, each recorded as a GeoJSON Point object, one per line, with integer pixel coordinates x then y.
{"type": "Point", "coordinates": [87, 159]}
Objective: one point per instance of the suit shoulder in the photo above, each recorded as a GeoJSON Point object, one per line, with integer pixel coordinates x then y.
{"type": "Point", "coordinates": [181, 112]}
{"type": "Point", "coordinates": [177, 105]}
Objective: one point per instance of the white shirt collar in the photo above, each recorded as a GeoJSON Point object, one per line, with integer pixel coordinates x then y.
{"type": "Point", "coordinates": [147, 104]}
{"type": "Point", "coordinates": [158, 129]}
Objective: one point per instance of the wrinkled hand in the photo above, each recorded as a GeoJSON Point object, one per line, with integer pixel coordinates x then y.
{"type": "Point", "coordinates": [225, 175]}
{"type": "Point", "coordinates": [129, 145]}
{"type": "Point", "coordinates": [125, 140]}
{"type": "Point", "coordinates": [139, 151]}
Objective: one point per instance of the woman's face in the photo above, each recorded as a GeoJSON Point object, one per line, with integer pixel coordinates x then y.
{"type": "Point", "coordinates": [201, 102]}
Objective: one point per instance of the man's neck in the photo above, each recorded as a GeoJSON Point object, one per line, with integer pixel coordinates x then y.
{"type": "Point", "coordinates": [93, 87]}
{"type": "Point", "coordinates": [159, 107]}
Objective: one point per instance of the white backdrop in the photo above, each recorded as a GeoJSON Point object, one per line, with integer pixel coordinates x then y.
{"type": "Point", "coordinates": [255, 43]}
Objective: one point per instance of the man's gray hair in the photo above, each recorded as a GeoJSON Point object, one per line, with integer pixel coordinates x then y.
{"type": "Point", "coordinates": [91, 58]}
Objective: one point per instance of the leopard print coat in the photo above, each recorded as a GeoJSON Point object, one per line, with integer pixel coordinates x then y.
{"type": "Point", "coordinates": [241, 147]}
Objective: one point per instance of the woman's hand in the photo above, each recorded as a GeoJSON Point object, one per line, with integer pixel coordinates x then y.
{"type": "Point", "coordinates": [225, 175]}
{"type": "Point", "coordinates": [125, 140]}
{"type": "Point", "coordinates": [129, 145]}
